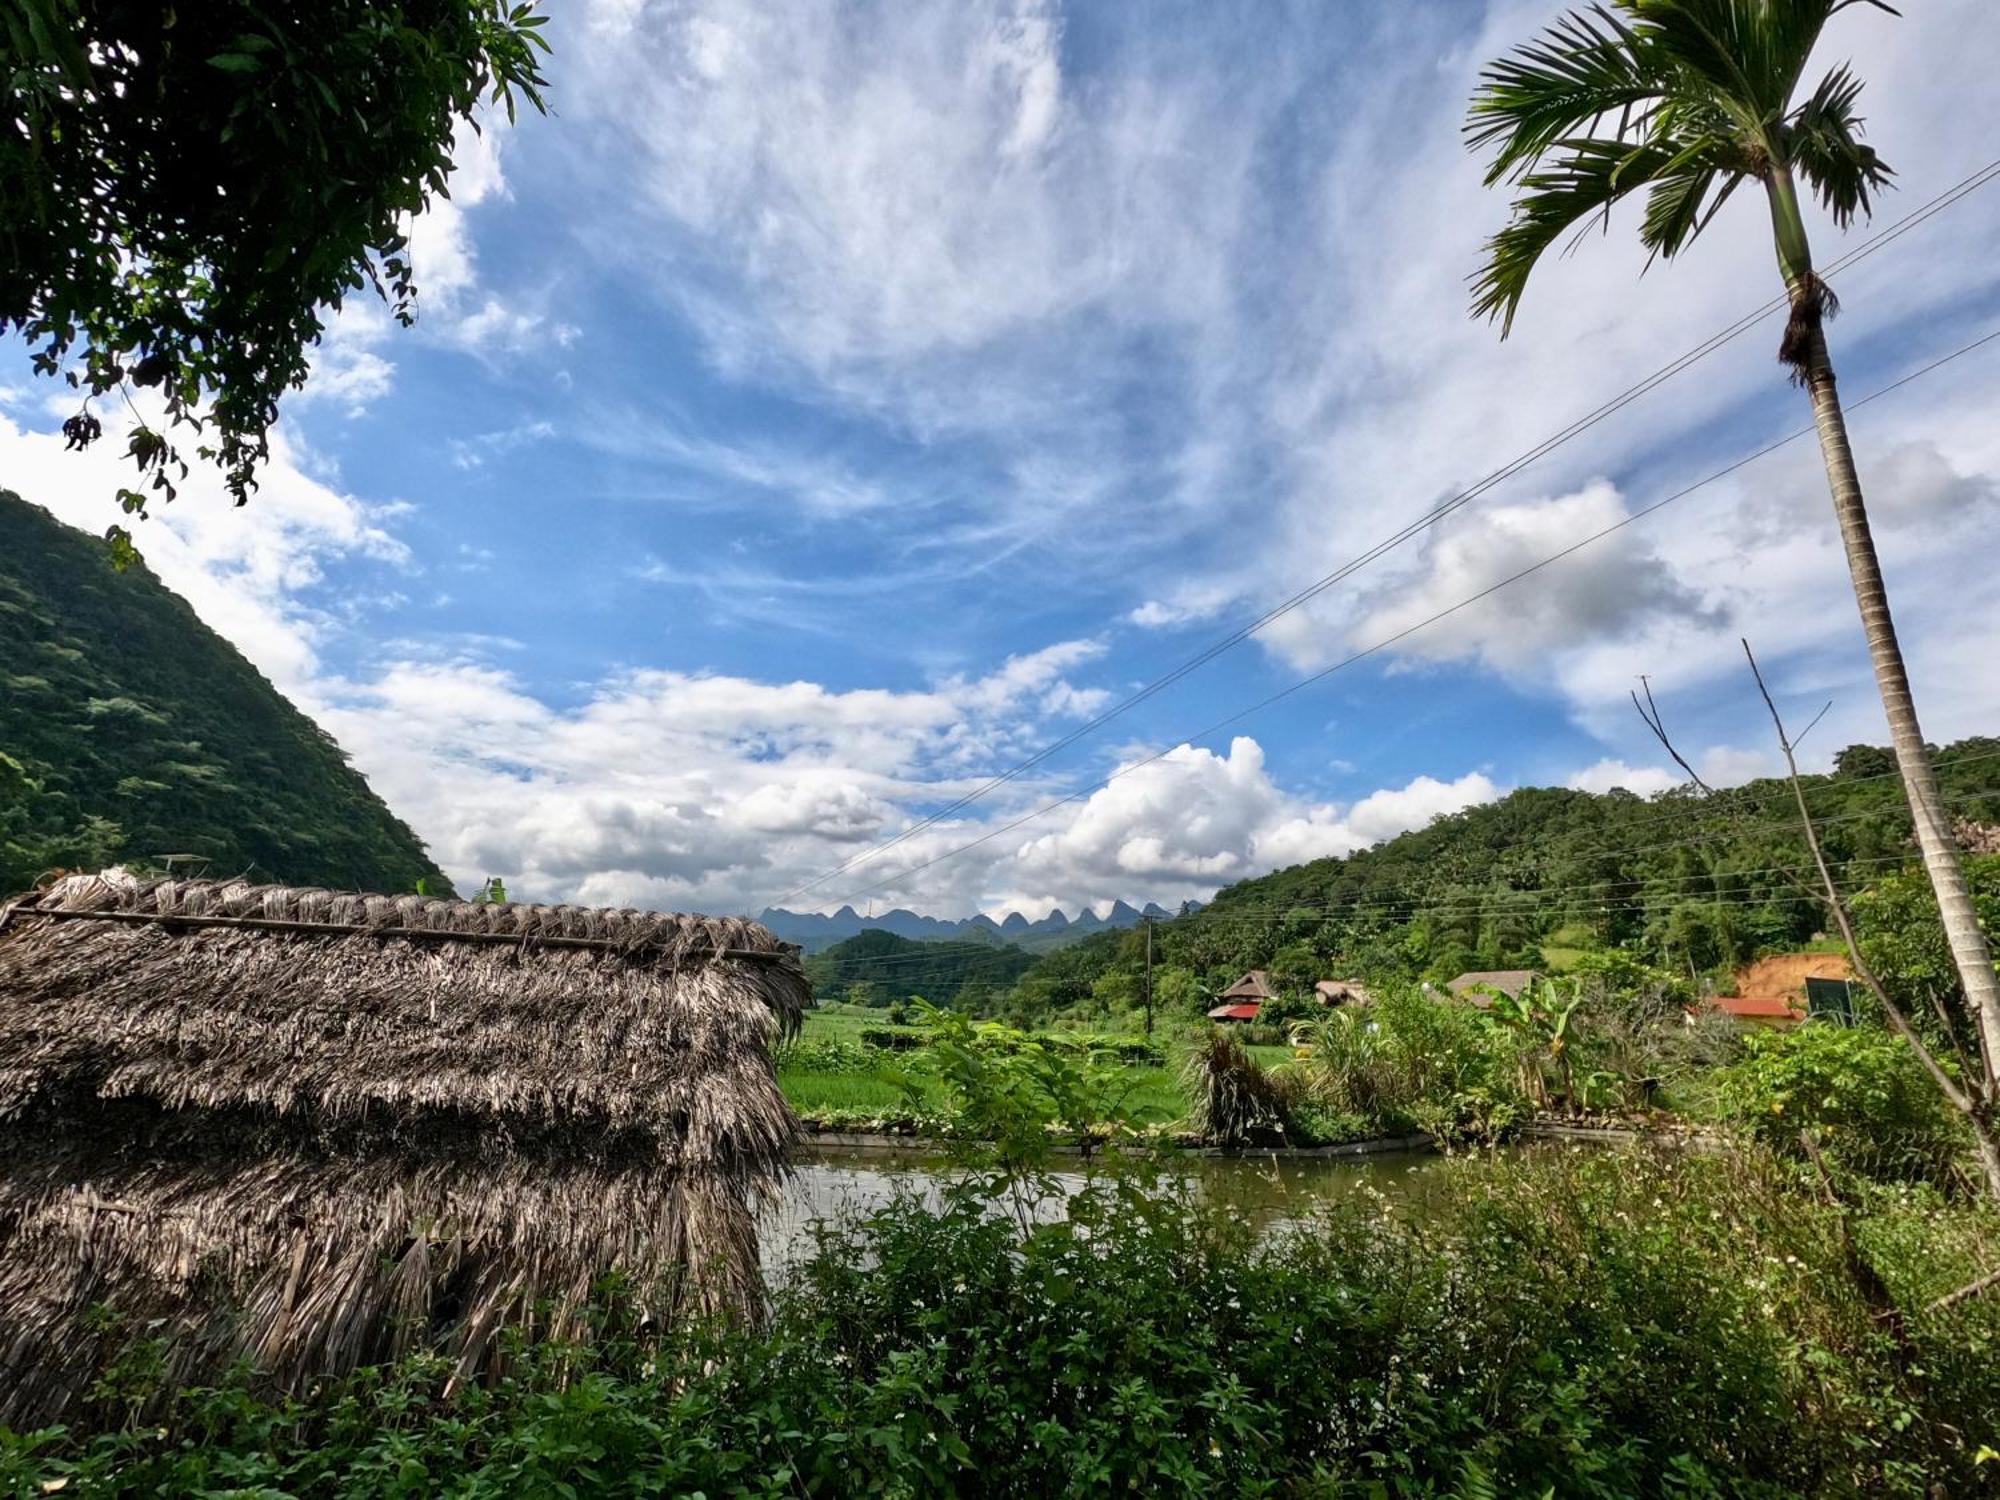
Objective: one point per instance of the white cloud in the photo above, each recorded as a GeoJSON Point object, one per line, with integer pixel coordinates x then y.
{"type": "Point", "coordinates": [1730, 765]}
{"type": "Point", "coordinates": [473, 452]}
{"type": "Point", "coordinates": [1191, 820]}
{"type": "Point", "coordinates": [1173, 301]}
{"type": "Point", "coordinates": [1601, 594]}
{"type": "Point", "coordinates": [1384, 814]}
{"type": "Point", "coordinates": [703, 790]}
{"type": "Point", "coordinates": [350, 369]}
{"type": "Point", "coordinates": [1614, 775]}
{"type": "Point", "coordinates": [246, 571]}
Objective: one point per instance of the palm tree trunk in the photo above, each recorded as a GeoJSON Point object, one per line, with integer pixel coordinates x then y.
{"type": "Point", "coordinates": [1969, 951]}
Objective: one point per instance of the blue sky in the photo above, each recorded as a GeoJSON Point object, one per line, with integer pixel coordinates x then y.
{"type": "Point", "coordinates": [830, 405]}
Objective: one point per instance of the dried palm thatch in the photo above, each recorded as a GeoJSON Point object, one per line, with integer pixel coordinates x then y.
{"type": "Point", "coordinates": [316, 1130]}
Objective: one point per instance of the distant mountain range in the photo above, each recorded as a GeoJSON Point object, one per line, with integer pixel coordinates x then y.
{"type": "Point", "coordinates": [814, 931]}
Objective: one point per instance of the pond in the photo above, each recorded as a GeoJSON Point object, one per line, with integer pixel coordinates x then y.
{"type": "Point", "coordinates": [832, 1182]}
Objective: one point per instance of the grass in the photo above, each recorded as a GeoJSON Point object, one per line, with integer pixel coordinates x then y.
{"type": "Point", "coordinates": [813, 1093]}
{"type": "Point", "coordinates": [1155, 1096]}
{"type": "Point", "coordinates": [845, 1025]}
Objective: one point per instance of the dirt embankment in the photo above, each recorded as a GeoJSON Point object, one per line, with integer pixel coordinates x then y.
{"type": "Point", "coordinates": [1787, 973]}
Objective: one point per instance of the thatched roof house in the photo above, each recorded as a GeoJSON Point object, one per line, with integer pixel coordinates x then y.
{"type": "Point", "coordinates": [1476, 985]}
{"type": "Point", "coordinates": [1253, 988]}
{"type": "Point", "coordinates": [319, 1130]}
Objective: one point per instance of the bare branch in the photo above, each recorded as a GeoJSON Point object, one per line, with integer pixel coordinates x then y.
{"type": "Point", "coordinates": [1814, 725]}
{"type": "Point", "coordinates": [1970, 1289]}
{"type": "Point", "coordinates": [1649, 711]}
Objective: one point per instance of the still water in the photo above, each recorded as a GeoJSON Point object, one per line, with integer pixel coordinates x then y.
{"type": "Point", "coordinates": [831, 1183]}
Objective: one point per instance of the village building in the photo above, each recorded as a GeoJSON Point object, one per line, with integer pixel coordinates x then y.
{"type": "Point", "coordinates": [1472, 985]}
{"type": "Point", "coordinates": [1784, 989]}
{"type": "Point", "coordinates": [1333, 992]}
{"type": "Point", "coordinates": [315, 1131]}
{"type": "Point", "coordinates": [1244, 1000]}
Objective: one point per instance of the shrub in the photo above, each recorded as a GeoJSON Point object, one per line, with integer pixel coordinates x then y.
{"type": "Point", "coordinates": [1587, 1326]}
{"type": "Point", "coordinates": [1008, 1092]}
{"type": "Point", "coordinates": [1406, 1062]}
{"type": "Point", "coordinates": [1857, 1087]}
{"type": "Point", "coordinates": [892, 1041]}
{"type": "Point", "coordinates": [1231, 1098]}
{"type": "Point", "coordinates": [822, 1055]}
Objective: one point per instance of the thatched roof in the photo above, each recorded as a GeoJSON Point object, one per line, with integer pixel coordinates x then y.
{"type": "Point", "coordinates": [1474, 984]}
{"type": "Point", "coordinates": [321, 1129]}
{"type": "Point", "coordinates": [1255, 985]}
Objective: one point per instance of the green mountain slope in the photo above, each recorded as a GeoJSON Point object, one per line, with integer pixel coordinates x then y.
{"type": "Point", "coordinates": [1530, 881]}
{"type": "Point", "coordinates": [880, 967]}
{"type": "Point", "coordinates": [130, 731]}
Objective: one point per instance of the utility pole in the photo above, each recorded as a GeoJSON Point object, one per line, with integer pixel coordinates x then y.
{"type": "Point", "coordinates": [1149, 976]}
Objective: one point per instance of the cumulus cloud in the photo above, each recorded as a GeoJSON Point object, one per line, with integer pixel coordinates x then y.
{"type": "Point", "coordinates": [1191, 820]}
{"type": "Point", "coordinates": [1614, 775]}
{"type": "Point", "coordinates": [1602, 594]}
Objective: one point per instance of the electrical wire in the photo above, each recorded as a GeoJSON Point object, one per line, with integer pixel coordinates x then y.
{"type": "Point", "coordinates": [1952, 195]}
{"type": "Point", "coordinates": [1429, 620]}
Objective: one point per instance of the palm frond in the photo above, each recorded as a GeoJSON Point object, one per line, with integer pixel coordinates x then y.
{"type": "Point", "coordinates": [1822, 141]}
{"type": "Point", "coordinates": [1588, 66]}
{"type": "Point", "coordinates": [1682, 202]}
{"type": "Point", "coordinates": [1581, 185]}
{"type": "Point", "coordinates": [1749, 53]}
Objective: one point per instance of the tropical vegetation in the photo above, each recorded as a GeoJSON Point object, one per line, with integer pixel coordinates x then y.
{"type": "Point", "coordinates": [1561, 1324]}
{"type": "Point", "coordinates": [131, 732]}
{"type": "Point", "coordinates": [1690, 100]}
{"type": "Point", "coordinates": [190, 191]}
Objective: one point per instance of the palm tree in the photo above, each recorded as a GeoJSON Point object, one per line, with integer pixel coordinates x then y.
{"type": "Point", "coordinates": [1690, 99]}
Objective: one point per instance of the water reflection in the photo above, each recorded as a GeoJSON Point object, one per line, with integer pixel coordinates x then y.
{"type": "Point", "coordinates": [830, 1183]}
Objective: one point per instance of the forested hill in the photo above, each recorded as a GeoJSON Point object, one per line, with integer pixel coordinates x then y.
{"type": "Point", "coordinates": [880, 967]}
{"type": "Point", "coordinates": [130, 731]}
{"type": "Point", "coordinates": [1532, 880]}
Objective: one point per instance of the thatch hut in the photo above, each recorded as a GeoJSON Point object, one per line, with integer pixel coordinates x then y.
{"type": "Point", "coordinates": [318, 1130]}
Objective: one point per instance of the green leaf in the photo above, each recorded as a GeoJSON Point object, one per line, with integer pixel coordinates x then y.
{"type": "Point", "coordinates": [235, 62]}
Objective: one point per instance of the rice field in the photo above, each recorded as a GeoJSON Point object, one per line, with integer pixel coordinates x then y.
{"type": "Point", "coordinates": [1155, 1095]}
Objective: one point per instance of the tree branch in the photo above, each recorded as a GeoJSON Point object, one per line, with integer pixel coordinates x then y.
{"type": "Point", "coordinates": [1970, 1289]}
{"type": "Point", "coordinates": [1960, 1099]}
{"type": "Point", "coordinates": [1650, 712]}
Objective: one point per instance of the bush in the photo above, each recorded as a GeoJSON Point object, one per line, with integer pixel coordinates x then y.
{"type": "Point", "coordinates": [1125, 1049]}
{"type": "Point", "coordinates": [1588, 1326]}
{"type": "Point", "coordinates": [1408, 1062]}
{"type": "Point", "coordinates": [1232, 1100]}
{"type": "Point", "coordinates": [892, 1041]}
{"type": "Point", "coordinates": [1858, 1088]}
{"type": "Point", "coordinates": [822, 1055]}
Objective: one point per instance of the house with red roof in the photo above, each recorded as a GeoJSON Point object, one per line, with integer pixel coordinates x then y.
{"type": "Point", "coordinates": [1245, 999]}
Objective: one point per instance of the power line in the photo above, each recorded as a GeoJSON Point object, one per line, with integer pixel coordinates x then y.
{"type": "Point", "coordinates": [1500, 901]}
{"type": "Point", "coordinates": [1525, 903]}
{"type": "Point", "coordinates": [1415, 629]}
{"type": "Point", "coordinates": [1952, 195]}
{"type": "Point", "coordinates": [1663, 811]}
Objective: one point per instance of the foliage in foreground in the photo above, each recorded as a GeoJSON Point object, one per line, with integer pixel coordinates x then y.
{"type": "Point", "coordinates": [190, 191]}
{"type": "Point", "coordinates": [1570, 1326]}
{"type": "Point", "coordinates": [1858, 1088]}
